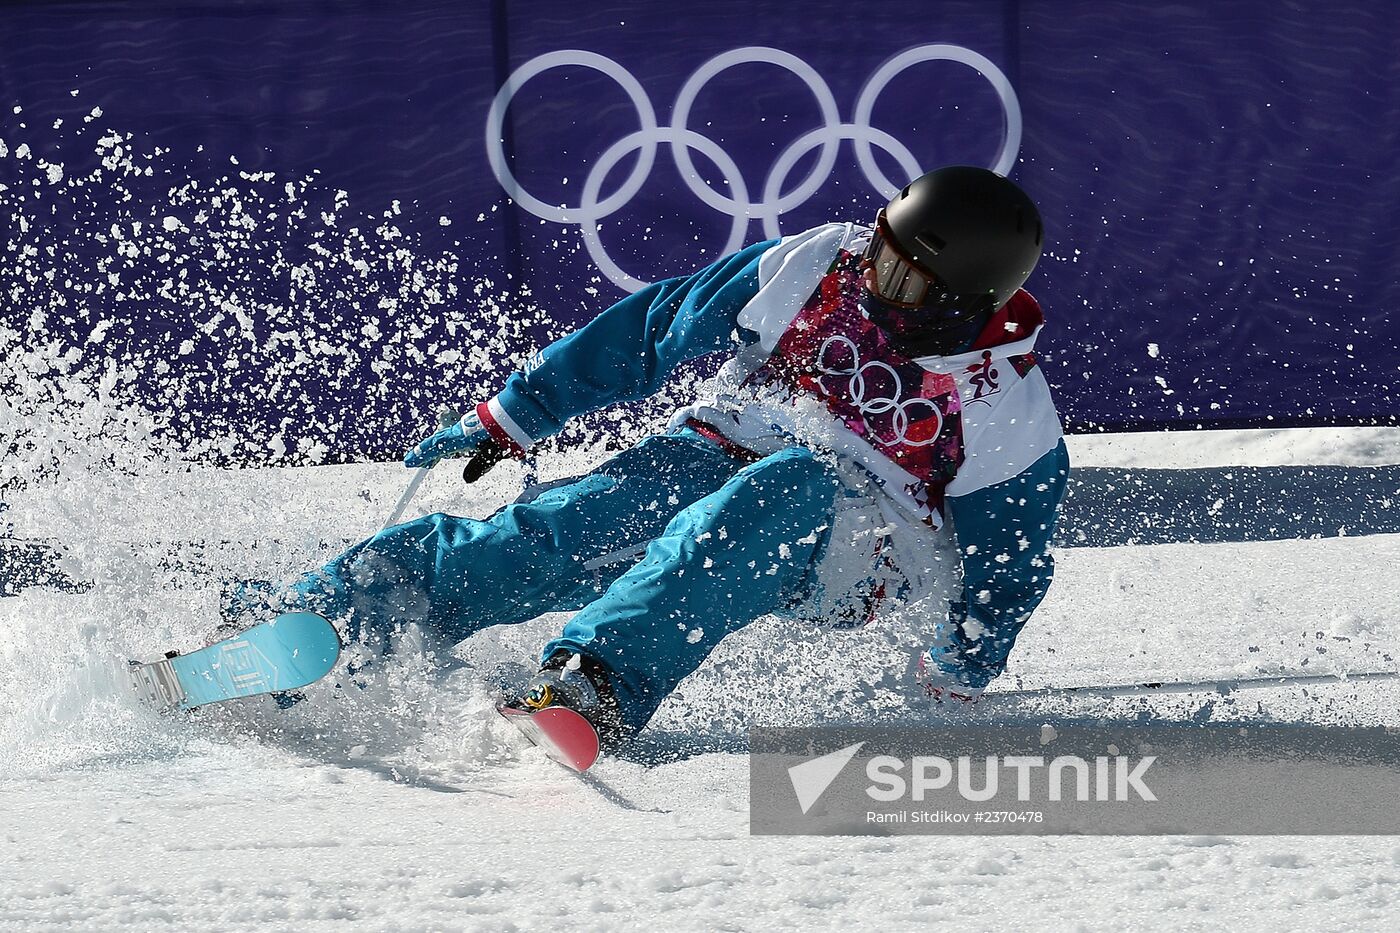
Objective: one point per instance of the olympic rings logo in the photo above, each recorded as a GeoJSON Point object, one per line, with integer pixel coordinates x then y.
{"type": "Point", "coordinates": [839, 356]}
{"type": "Point", "coordinates": [594, 206]}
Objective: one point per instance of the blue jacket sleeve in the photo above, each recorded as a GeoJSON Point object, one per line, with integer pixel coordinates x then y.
{"type": "Point", "coordinates": [1003, 534]}
{"type": "Point", "coordinates": [627, 352]}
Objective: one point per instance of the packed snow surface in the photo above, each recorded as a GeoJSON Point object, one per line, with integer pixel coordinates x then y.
{"type": "Point", "coordinates": [409, 805]}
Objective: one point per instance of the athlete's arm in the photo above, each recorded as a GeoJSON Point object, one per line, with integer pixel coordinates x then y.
{"type": "Point", "coordinates": [627, 352]}
{"type": "Point", "coordinates": [1003, 534]}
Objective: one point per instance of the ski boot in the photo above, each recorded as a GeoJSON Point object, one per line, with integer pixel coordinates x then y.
{"type": "Point", "coordinates": [568, 709]}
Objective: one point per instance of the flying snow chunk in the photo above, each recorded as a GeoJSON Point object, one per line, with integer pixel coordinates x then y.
{"type": "Point", "coordinates": [1153, 350]}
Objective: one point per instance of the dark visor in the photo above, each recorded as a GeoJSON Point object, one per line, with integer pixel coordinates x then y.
{"type": "Point", "coordinates": [897, 280]}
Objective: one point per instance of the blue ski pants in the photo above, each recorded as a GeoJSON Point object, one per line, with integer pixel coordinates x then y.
{"type": "Point", "coordinates": [661, 552]}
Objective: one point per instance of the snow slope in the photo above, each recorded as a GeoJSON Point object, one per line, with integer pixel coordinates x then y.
{"type": "Point", "coordinates": [408, 805]}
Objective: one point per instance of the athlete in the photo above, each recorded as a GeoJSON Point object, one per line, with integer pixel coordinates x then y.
{"type": "Point", "coordinates": [880, 439]}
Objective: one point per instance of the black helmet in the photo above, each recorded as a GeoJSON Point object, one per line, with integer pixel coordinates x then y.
{"type": "Point", "coordinates": [947, 252]}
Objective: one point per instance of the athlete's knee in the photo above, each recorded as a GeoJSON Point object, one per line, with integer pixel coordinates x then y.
{"type": "Point", "coordinates": [798, 463]}
{"type": "Point", "coordinates": [796, 474]}
{"type": "Point", "coordinates": [787, 495]}
{"type": "Point", "coordinates": [550, 518]}
{"type": "Point", "coordinates": [414, 531]}
{"type": "Point", "coordinates": [432, 534]}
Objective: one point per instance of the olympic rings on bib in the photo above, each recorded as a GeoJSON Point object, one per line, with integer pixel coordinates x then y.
{"type": "Point", "coordinates": [839, 357]}
{"type": "Point", "coordinates": [737, 204]}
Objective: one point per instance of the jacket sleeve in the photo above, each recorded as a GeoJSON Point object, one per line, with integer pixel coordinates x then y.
{"type": "Point", "coordinates": [627, 352]}
{"type": "Point", "coordinates": [1003, 534]}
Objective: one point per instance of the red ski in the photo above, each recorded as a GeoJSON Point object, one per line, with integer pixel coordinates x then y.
{"type": "Point", "coordinates": [564, 735]}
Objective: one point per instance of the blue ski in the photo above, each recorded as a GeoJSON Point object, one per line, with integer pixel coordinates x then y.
{"type": "Point", "coordinates": [291, 651]}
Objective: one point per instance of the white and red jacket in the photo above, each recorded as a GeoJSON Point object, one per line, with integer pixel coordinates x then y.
{"type": "Point", "coordinates": [954, 466]}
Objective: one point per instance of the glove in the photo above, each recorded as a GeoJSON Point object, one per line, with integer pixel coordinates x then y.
{"type": "Point", "coordinates": [463, 436]}
{"type": "Point", "coordinates": [490, 453]}
{"type": "Point", "coordinates": [942, 688]}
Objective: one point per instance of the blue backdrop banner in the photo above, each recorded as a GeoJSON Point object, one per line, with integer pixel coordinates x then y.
{"type": "Point", "coordinates": [307, 224]}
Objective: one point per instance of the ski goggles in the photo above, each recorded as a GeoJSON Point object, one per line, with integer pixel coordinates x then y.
{"type": "Point", "coordinates": [895, 279]}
